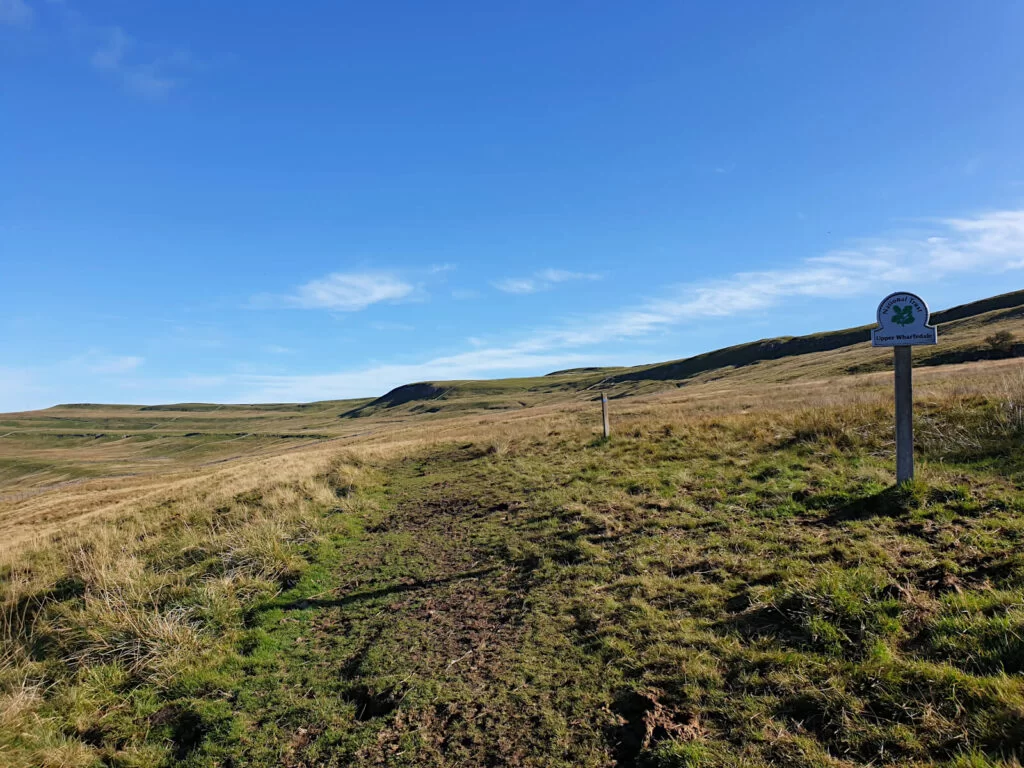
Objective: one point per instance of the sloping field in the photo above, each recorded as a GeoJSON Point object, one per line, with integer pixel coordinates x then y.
{"type": "Point", "coordinates": [731, 580]}
{"type": "Point", "coordinates": [47, 449]}
{"type": "Point", "coordinates": [966, 331]}
{"type": "Point", "coordinates": [470, 576]}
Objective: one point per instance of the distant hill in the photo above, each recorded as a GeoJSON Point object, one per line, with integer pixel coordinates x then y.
{"type": "Point", "coordinates": [789, 346]}
{"type": "Point", "coordinates": [962, 338]}
{"type": "Point", "coordinates": [963, 334]}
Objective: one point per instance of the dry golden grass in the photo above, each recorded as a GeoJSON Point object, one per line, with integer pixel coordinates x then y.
{"type": "Point", "coordinates": [144, 586]}
{"type": "Point", "coordinates": [31, 516]}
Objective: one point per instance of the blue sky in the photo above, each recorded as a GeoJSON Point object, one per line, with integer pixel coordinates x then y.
{"type": "Point", "coordinates": [325, 200]}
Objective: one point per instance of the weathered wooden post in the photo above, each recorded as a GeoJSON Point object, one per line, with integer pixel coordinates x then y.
{"type": "Point", "coordinates": [904, 380]}
{"type": "Point", "coordinates": [604, 416]}
{"type": "Point", "coordinates": [902, 324]}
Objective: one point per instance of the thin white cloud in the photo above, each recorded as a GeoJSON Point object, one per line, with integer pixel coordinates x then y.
{"type": "Point", "coordinates": [357, 290]}
{"type": "Point", "coordinates": [149, 69]}
{"type": "Point", "coordinates": [398, 327]}
{"type": "Point", "coordinates": [517, 285]}
{"type": "Point", "coordinates": [145, 81]}
{"type": "Point", "coordinates": [108, 57]}
{"type": "Point", "coordinates": [112, 364]}
{"type": "Point", "coordinates": [21, 390]}
{"type": "Point", "coordinates": [15, 12]}
{"type": "Point", "coordinates": [146, 78]}
{"type": "Point", "coordinates": [560, 347]}
{"type": "Point", "coordinates": [991, 243]}
{"type": "Point", "coordinates": [994, 241]}
{"type": "Point", "coordinates": [379, 379]}
{"type": "Point", "coordinates": [349, 291]}
{"type": "Point", "coordinates": [563, 275]}
{"type": "Point", "coordinates": [41, 386]}
{"type": "Point", "coordinates": [541, 281]}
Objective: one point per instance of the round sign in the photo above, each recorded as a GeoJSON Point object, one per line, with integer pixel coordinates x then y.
{"type": "Point", "coordinates": [903, 322]}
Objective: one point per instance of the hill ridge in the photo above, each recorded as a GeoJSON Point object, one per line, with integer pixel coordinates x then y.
{"type": "Point", "coordinates": [787, 346]}
{"type": "Point", "coordinates": [736, 356]}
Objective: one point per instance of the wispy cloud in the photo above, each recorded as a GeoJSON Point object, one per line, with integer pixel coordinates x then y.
{"type": "Point", "coordinates": [393, 327]}
{"type": "Point", "coordinates": [145, 68]}
{"type": "Point", "coordinates": [15, 12]}
{"type": "Point", "coordinates": [381, 378]}
{"type": "Point", "coordinates": [358, 289]}
{"type": "Point", "coordinates": [994, 241]}
{"type": "Point", "coordinates": [343, 291]}
{"type": "Point", "coordinates": [146, 78]}
{"type": "Point", "coordinates": [109, 364]}
{"type": "Point", "coordinates": [541, 281]}
{"type": "Point", "coordinates": [21, 390]}
{"type": "Point", "coordinates": [109, 56]}
{"type": "Point", "coordinates": [41, 386]}
{"type": "Point", "coordinates": [567, 345]}
{"type": "Point", "coordinates": [990, 243]}
{"type": "Point", "coordinates": [517, 285]}
{"type": "Point", "coordinates": [563, 275]}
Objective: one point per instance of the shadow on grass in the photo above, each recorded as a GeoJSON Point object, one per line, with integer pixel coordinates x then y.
{"type": "Point", "coordinates": [894, 501]}
{"type": "Point", "coordinates": [768, 622]}
{"type": "Point", "coordinates": [374, 594]}
{"type": "Point", "coordinates": [184, 728]}
{"type": "Point", "coordinates": [19, 619]}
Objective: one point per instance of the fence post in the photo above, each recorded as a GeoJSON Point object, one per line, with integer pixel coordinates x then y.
{"type": "Point", "coordinates": [904, 414]}
{"type": "Point", "coordinates": [604, 415]}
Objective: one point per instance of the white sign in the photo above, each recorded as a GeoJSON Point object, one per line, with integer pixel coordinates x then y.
{"type": "Point", "coordinates": [903, 322]}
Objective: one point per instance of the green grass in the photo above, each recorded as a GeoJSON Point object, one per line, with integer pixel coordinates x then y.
{"type": "Point", "coordinates": [709, 590]}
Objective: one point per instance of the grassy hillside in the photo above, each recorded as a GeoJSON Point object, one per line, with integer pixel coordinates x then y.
{"type": "Point", "coordinates": [465, 574]}
{"type": "Point", "coordinates": [957, 340]}
{"type": "Point", "coordinates": [731, 580]}
{"type": "Point", "coordinates": [964, 331]}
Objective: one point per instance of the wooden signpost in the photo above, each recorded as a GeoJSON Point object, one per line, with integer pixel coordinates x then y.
{"type": "Point", "coordinates": [604, 415]}
{"type": "Point", "coordinates": [902, 324]}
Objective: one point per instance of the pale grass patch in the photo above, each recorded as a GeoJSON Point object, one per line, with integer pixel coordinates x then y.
{"type": "Point", "coordinates": [345, 476]}
{"type": "Point", "coordinates": [104, 564]}
{"type": "Point", "coordinates": [260, 550]}
{"type": "Point", "coordinates": [222, 597]}
{"type": "Point", "coordinates": [955, 427]}
{"type": "Point", "coordinates": [59, 751]}
{"type": "Point", "coordinates": [190, 492]}
{"type": "Point", "coordinates": [111, 629]}
{"type": "Point", "coordinates": [17, 618]}
{"type": "Point", "coordinates": [1011, 393]}
{"type": "Point", "coordinates": [317, 491]}
{"type": "Point", "coordinates": [358, 506]}
{"type": "Point", "coordinates": [499, 445]}
{"type": "Point", "coordinates": [20, 699]}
